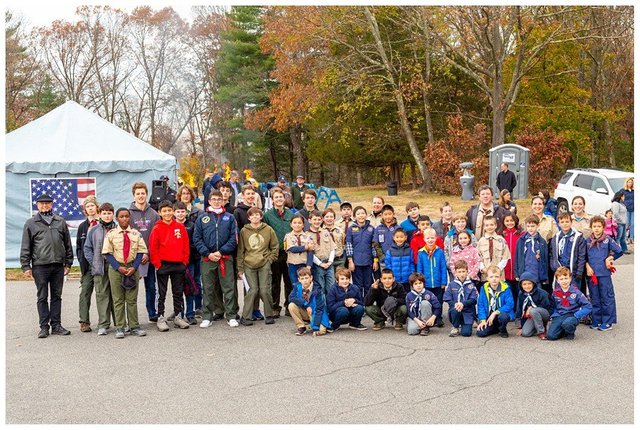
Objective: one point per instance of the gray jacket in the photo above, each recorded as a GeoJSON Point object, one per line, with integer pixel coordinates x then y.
{"type": "Point", "coordinates": [44, 243]}
{"type": "Point", "coordinates": [93, 249]}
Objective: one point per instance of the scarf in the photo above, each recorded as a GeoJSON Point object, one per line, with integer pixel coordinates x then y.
{"type": "Point", "coordinates": [563, 240]}
{"type": "Point", "coordinates": [493, 299]}
{"type": "Point", "coordinates": [528, 300]}
{"type": "Point", "coordinates": [596, 241]}
{"type": "Point", "coordinates": [108, 225]}
{"type": "Point", "coordinates": [280, 213]}
{"type": "Point", "coordinates": [564, 296]}
{"type": "Point", "coordinates": [216, 211]}
{"type": "Point", "coordinates": [47, 216]}
{"type": "Point", "coordinates": [461, 293]}
{"type": "Point", "coordinates": [431, 250]}
{"type": "Point", "coordinates": [306, 295]}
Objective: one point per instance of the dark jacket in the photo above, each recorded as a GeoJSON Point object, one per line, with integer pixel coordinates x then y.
{"type": "Point", "coordinates": [240, 213]}
{"type": "Point", "coordinates": [297, 192]}
{"type": "Point", "coordinates": [628, 199]}
{"type": "Point", "coordinates": [468, 298]}
{"type": "Point", "coordinates": [538, 296]}
{"type": "Point", "coordinates": [576, 303]}
{"type": "Point", "coordinates": [498, 211]}
{"type": "Point", "coordinates": [190, 225]}
{"type": "Point", "coordinates": [359, 244]}
{"type": "Point", "coordinates": [506, 181]}
{"type": "Point", "coordinates": [215, 233]}
{"type": "Point", "coordinates": [209, 185]}
{"type": "Point", "coordinates": [576, 250]}
{"type": "Point", "coordinates": [377, 296]}
{"type": "Point", "coordinates": [414, 299]}
{"type": "Point", "coordinates": [81, 237]}
{"type": "Point", "coordinates": [537, 264]}
{"type": "Point", "coordinates": [316, 302]}
{"type": "Point", "coordinates": [337, 295]}
{"type": "Point", "coordinates": [44, 243]}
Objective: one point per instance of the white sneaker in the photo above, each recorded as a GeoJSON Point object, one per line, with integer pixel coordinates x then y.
{"type": "Point", "coordinates": [206, 323]}
{"type": "Point", "coordinates": [232, 323]}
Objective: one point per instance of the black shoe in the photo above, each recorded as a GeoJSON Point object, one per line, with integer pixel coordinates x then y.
{"type": "Point", "coordinates": [154, 319]}
{"type": "Point", "coordinates": [44, 332]}
{"type": "Point", "coordinates": [192, 321]}
{"type": "Point", "coordinates": [60, 331]}
{"type": "Point", "coordinates": [440, 324]}
{"type": "Point", "coordinates": [425, 331]}
{"type": "Point", "coordinates": [217, 317]}
{"type": "Point", "coordinates": [504, 334]}
{"type": "Point", "coordinates": [269, 320]}
{"type": "Point", "coordinates": [287, 313]}
{"type": "Point", "coordinates": [245, 322]}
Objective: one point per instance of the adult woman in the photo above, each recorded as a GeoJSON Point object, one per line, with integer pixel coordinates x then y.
{"type": "Point", "coordinates": [619, 210]}
{"type": "Point", "coordinates": [547, 227]}
{"type": "Point", "coordinates": [186, 195]}
{"type": "Point", "coordinates": [628, 202]}
{"type": "Point", "coordinates": [580, 219]}
{"type": "Point", "coordinates": [504, 200]}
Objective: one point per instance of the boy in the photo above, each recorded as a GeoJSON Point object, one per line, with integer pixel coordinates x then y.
{"type": "Point", "coordinates": [309, 199]}
{"type": "Point", "coordinates": [193, 302]}
{"type": "Point", "coordinates": [299, 246]}
{"type": "Point", "coordinates": [399, 258]}
{"type": "Point", "coordinates": [433, 266]}
{"type": "Point", "coordinates": [462, 296]}
{"type": "Point", "coordinates": [459, 221]}
{"type": "Point", "coordinates": [307, 305]}
{"type": "Point", "coordinates": [257, 249]}
{"type": "Point", "coordinates": [423, 307]}
{"type": "Point", "coordinates": [92, 251]}
{"type": "Point", "coordinates": [227, 193]}
{"type": "Point", "coordinates": [568, 249]}
{"type": "Point", "coordinates": [344, 302]}
{"type": "Point", "coordinates": [532, 253]}
{"type": "Point", "coordinates": [215, 237]}
{"type": "Point", "coordinates": [90, 208]}
{"type": "Point", "coordinates": [143, 218]}
{"type": "Point", "coordinates": [324, 252]}
{"type": "Point", "coordinates": [124, 249]}
{"type": "Point", "coordinates": [533, 309]}
{"type": "Point", "coordinates": [493, 249]}
{"type": "Point", "coordinates": [386, 302]}
{"type": "Point", "coordinates": [410, 225]}
{"type": "Point", "coordinates": [169, 251]}
{"type": "Point", "coordinates": [495, 305]}
{"type": "Point", "coordinates": [383, 234]}
{"type": "Point", "coordinates": [443, 225]}
{"type": "Point", "coordinates": [569, 306]}
{"type": "Point", "coordinates": [417, 241]}
{"type": "Point", "coordinates": [346, 218]}
{"type": "Point", "coordinates": [603, 298]}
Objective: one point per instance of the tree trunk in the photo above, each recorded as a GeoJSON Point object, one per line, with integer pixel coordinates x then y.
{"type": "Point", "coordinates": [358, 176]}
{"type": "Point", "coordinates": [414, 177]}
{"type": "Point", "coordinates": [296, 143]}
{"type": "Point", "coordinates": [274, 159]}
{"type": "Point", "coordinates": [609, 142]}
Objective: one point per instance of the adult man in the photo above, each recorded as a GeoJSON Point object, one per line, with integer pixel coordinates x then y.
{"type": "Point", "coordinates": [375, 217]}
{"type": "Point", "coordinates": [506, 179]}
{"type": "Point", "coordinates": [234, 177]}
{"type": "Point", "coordinates": [169, 194]}
{"type": "Point", "coordinates": [485, 207]}
{"type": "Point", "coordinates": [46, 256]}
{"type": "Point", "coordinates": [286, 191]}
{"type": "Point", "coordinates": [297, 191]}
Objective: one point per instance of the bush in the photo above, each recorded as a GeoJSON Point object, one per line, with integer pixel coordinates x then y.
{"type": "Point", "coordinates": [548, 157]}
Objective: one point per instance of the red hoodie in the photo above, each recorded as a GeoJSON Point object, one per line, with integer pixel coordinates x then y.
{"type": "Point", "coordinates": [511, 235]}
{"type": "Point", "coordinates": [168, 242]}
{"type": "Point", "coordinates": [417, 242]}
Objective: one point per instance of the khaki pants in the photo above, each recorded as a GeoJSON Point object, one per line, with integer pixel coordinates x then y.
{"type": "Point", "coordinates": [120, 297]}
{"type": "Point", "coordinates": [86, 289]}
{"type": "Point", "coordinates": [219, 293]}
{"type": "Point", "coordinates": [301, 317]}
{"type": "Point", "coordinates": [259, 281]}
{"type": "Point", "coordinates": [103, 300]}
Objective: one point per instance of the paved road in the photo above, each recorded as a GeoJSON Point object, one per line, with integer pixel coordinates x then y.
{"type": "Point", "coordinates": [265, 374]}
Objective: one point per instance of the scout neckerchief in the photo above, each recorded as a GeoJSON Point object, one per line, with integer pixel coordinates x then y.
{"type": "Point", "coordinates": [461, 293]}
{"type": "Point", "coordinates": [493, 295]}
{"type": "Point", "coordinates": [528, 300]}
{"type": "Point", "coordinates": [563, 240]}
{"type": "Point", "coordinates": [430, 250]}
{"type": "Point", "coordinates": [490, 248]}
{"type": "Point", "coordinates": [564, 296]}
{"type": "Point", "coordinates": [108, 225]}
{"type": "Point", "coordinates": [597, 240]}
{"type": "Point", "coordinates": [126, 246]}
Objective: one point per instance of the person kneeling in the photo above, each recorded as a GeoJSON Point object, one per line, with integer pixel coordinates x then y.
{"type": "Point", "coordinates": [344, 302]}
{"type": "Point", "coordinates": [423, 307]}
{"type": "Point", "coordinates": [569, 306]}
{"type": "Point", "coordinates": [495, 305]}
{"type": "Point", "coordinates": [386, 301]}
{"type": "Point", "coordinates": [534, 307]}
{"type": "Point", "coordinates": [307, 305]}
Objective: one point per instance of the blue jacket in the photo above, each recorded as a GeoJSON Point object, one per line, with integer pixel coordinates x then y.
{"type": "Point", "coordinates": [504, 301]}
{"type": "Point", "coordinates": [434, 269]}
{"type": "Point", "coordinates": [414, 299]}
{"type": "Point", "coordinates": [336, 296]}
{"type": "Point", "coordinates": [383, 237]}
{"type": "Point", "coordinates": [538, 296]}
{"type": "Point", "coordinates": [596, 255]}
{"type": "Point", "coordinates": [578, 305]}
{"type": "Point", "coordinates": [551, 208]}
{"type": "Point", "coordinates": [468, 298]}
{"type": "Point", "coordinates": [317, 304]}
{"type": "Point", "coordinates": [576, 250]}
{"type": "Point", "coordinates": [538, 264]}
{"type": "Point", "coordinates": [359, 245]}
{"type": "Point", "coordinates": [409, 227]}
{"type": "Point", "coordinates": [628, 199]}
{"type": "Point", "coordinates": [215, 233]}
{"type": "Point", "coordinates": [400, 261]}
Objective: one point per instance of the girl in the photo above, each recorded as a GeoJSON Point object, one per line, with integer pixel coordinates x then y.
{"type": "Point", "coordinates": [464, 250]}
{"type": "Point", "coordinates": [360, 252]}
{"type": "Point", "coordinates": [610, 224]}
{"type": "Point", "coordinates": [504, 200]}
{"type": "Point", "coordinates": [338, 235]}
{"type": "Point", "coordinates": [512, 232]}
{"type": "Point", "coordinates": [299, 246]}
{"type": "Point", "coordinates": [451, 238]}
{"type": "Point", "coordinates": [618, 219]}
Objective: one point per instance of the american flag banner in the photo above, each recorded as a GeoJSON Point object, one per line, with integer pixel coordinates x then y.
{"type": "Point", "coordinates": [68, 195]}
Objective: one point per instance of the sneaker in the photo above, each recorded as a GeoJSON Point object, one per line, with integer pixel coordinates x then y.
{"type": "Point", "coordinates": [378, 326]}
{"type": "Point", "coordinates": [180, 323]}
{"type": "Point", "coordinates": [440, 324]}
{"type": "Point", "coordinates": [425, 331]}
{"type": "Point", "coordinates": [570, 336]}
{"type": "Point", "coordinates": [397, 326]}
{"type": "Point", "coordinates": [359, 327]}
{"type": "Point", "coordinates": [127, 329]}
{"type": "Point", "coordinates": [331, 329]}
{"type": "Point", "coordinates": [594, 326]}
{"type": "Point", "coordinates": [205, 324]}
{"type": "Point", "coordinates": [153, 319]}
{"type": "Point", "coordinates": [192, 321]}
{"type": "Point", "coordinates": [276, 312]}
{"type": "Point", "coordinates": [504, 334]}
{"type": "Point", "coordinates": [138, 332]}
{"type": "Point", "coordinates": [171, 317]}
{"type": "Point", "coordinates": [602, 327]}
{"type": "Point", "coordinates": [85, 327]}
{"type": "Point", "coordinates": [287, 313]}
{"type": "Point", "coordinates": [162, 324]}
{"type": "Point", "coordinates": [454, 332]}
{"type": "Point", "coordinates": [257, 316]}
{"type": "Point", "coordinates": [217, 317]}
{"type": "Point", "coordinates": [301, 331]}
{"type": "Point", "coordinates": [233, 322]}
{"type": "Point", "coordinates": [198, 312]}
{"type": "Point", "coordinates": [269, 320]}
{"type": "Point", "coordinates": [44, 332]}
{"type": "Point", "coordinates": [59, 330]}
{"type": "Point", "coordinates": [318, 333]}
{"type": "Point", "coordinates": [102, 332]}
{"type": "Point", "coordinates": [543, 335]}
{"type": "Point", "coordinates": [244, 322]}
{"type": "Point", "coordinates": [119, 333]}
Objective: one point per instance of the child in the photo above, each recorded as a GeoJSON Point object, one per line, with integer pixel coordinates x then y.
{"type": "Point", "coordinates": [299, 246]}
{"type": "Point", "coordinates": [344, 302]}
{"type": "Point", "coordinates": [124, 248]}
{"type": "Point", "coordinates": [90, 208]}
{"type": "Point", "coordinates": [386, 302]}
{"type": "Point", "coordinates": [324, 252]}
{"type": "Point", "coordinates": [533, 309]}
{"type": "Point", "coordinates": [495, 304]}
{"type": "Point", "coordinates": [462, 296]}
{"type": "Point", "coordinates": [444, 224]}
{"type": "Point", "coordinates": [169, 253]}
{"type": "Point", "coordinates": [257, 249]}
{"type": "Point", "coordinates": [532, 253]}
{"type": "Point", "coordinates": [399, 258]}
{"type": "Point", "coordinates": [610, 225]}
{"type": "Point", "coordinates": [603, 300]}
{"type": "Point", "coordinates": [346, 218]}
{"type": "Point", "coordinates": [423, 307]}
{"type": "Point", "coordinates": [433, 266]}
{"type": "Point", "coordinates": [568, 249]}
{"type": "Point", "coordinates": [307, 305]}
{"type": "Point", "coordinates": [451, 239]}
{"type": "Point", "coordinates": [362, 257]}
{"type": "Point", "coordinates": [511, 234]}
{"type": "Point", "coordinates": [193, 301]}
{"type": "Point", "coordinates": [383, 236]}
{"type": "Point", "coordinates": [92, 251]}
{"type": "Point", "coordinates": [550, 204]}
{"type": "Point", "coordinates": [338, 235]}
{"type": "Point", "coordinates": [492, 248]}
{"type": "Point", "coordinates": [410, 225]}
{"type": "Point", "coordinates": [569, 306]}
{"type": "Point", "coordinates": [468, 253]}
{"type": "Point", "coordinates": [417, 241]}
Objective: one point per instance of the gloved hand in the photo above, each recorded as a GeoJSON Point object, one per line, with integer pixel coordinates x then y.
{"type": "Point", "coordinates": [594, 279]}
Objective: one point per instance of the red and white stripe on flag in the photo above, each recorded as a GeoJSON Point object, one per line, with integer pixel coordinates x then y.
{"type": "Point", "coordinates": [86, 188]}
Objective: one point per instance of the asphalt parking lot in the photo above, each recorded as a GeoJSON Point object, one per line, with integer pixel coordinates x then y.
{"type": "Point", "coordinates": [265, 374]}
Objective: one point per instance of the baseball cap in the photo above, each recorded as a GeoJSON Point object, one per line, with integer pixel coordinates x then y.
{"type": "Point", "coordinates": [282, 179]}
{"type": "Point", "coordinates": [345, 203]}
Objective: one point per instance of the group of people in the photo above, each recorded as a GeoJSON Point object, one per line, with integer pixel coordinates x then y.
{"type": "Point", "coordinates": [491, 268]}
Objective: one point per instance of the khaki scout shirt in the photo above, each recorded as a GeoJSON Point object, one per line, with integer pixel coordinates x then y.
{"type": "Point", "coordinates": [324, 243]}
{"type": "Point", "coordinates": [500, 253]}
{"type": "Point", "coordinates": [114, 244]}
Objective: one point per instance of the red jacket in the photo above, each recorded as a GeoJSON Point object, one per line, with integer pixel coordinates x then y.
{"type": "Point", "coordinates": [168, 242]}
{"type": "Point", "coordinates": [417, 242]}
{"type": "Point", "coordinates": [511, 236]}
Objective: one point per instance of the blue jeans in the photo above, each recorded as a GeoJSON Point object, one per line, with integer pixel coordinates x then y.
{"type": "Point", "coordinates": [564, 325]}
{"type": "Point", "coordinates": [457, 320]}
{"type": "Point", "coordinates": [439, 293]}
{"type": "Point", "coordinates": [362, 277]}
{"type": "Point", "coordinates": [194, 302]}
{"type": "Point", "coordinates": [630, 223]}
{"type": "Point", "coordinates": [293, 274]}
{"type": "Point", "coordinates": [621, 236]}
{"type": "Point", "coordinates": [499, 325]}
{"type": "Point", "coordinates": [323, 278]}
{"type": "Point", "coordinates": [344, 315]}
{"type": "Point", "coordinates": [151, 292]}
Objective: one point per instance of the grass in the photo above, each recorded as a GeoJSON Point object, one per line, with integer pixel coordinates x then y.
{"type": "Point", "coordinates": [18, 275]}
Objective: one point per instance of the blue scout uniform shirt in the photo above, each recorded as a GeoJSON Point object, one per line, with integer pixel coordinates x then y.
{"type": "Point", "coordinates": [598, 253]}
{"type": "Point", "coordinates": [414, 299]}
{"type": "Point", "coordinates": [465, 293]}
{"type": "Point", "coordinates": [570, 302]}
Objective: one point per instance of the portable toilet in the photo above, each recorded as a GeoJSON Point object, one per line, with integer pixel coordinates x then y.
{"type": "Point", "coordinates": [517, 158]}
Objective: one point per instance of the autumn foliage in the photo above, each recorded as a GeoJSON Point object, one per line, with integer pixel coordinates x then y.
{"type": "Point", "coordinates": [548, 157]}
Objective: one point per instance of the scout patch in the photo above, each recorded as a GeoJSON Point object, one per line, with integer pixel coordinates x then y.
{"type": "Point", "coordinates": [205, 219]}
{"type": "Point", "coordinates": [355, 229]}
{"type": "Point", "coordinates": [177, 234]}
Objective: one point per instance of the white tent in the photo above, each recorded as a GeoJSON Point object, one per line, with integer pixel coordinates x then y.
{"type": "Point", "coordinates": [72, 142]}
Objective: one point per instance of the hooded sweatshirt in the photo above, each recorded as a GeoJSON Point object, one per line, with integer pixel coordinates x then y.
{"type": "Point", "coordinates": [257, 246]}
{"type": "Point", "coordinates": [537, 297]}
{"type": "Point", "coordinates": [169, 242]}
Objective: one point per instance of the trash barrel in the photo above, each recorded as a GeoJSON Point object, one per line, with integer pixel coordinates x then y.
{"type": "Point", "coordinates": [392, 188]}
